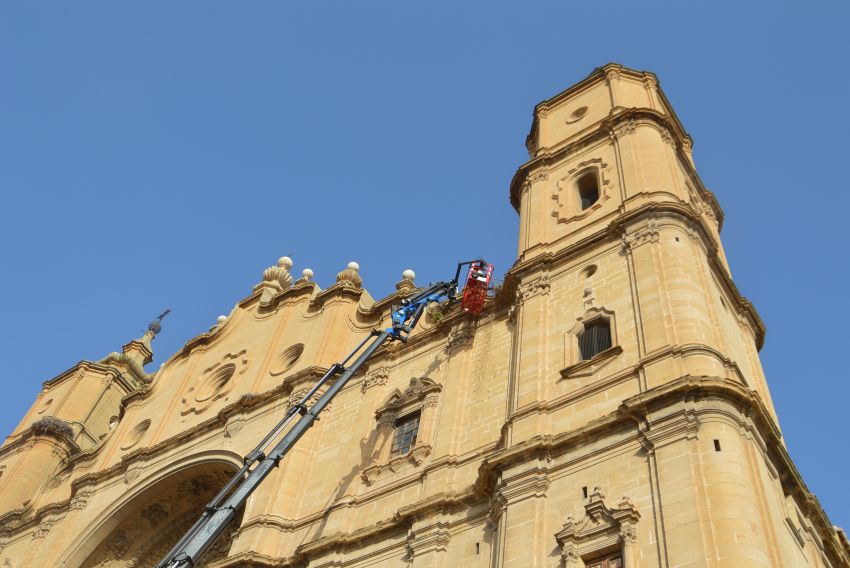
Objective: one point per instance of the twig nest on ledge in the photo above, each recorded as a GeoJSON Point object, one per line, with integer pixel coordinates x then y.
{"type": "Point", "coordinates": [350, 276]}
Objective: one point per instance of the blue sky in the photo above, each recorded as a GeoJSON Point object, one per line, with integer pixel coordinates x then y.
{"type": "Point", "coordinates": [162, 154]}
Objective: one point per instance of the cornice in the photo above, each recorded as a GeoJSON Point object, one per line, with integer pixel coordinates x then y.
{"type": "Point", "coordinates": [247, 560]}
{"type": "Point", "coordinates": [604, 130]}
{"type": "Point", "coordinates": [617, 228]}
{"type": "Point", "coordinates": [49, 428]}
{"type": "Point", "coordinates": [114, 360]}
{"type": "Point", "coordinates": [83, 366]}
{"type": "Point", "coordinates": [638, 408]}
{"type": "Point", "coordinates": [337, 290]}
{"type": "Point", "coordinates": [633, 413]}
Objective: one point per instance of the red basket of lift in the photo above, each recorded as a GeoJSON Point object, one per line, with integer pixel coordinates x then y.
{"type": "Point", "coordinates": [477, 283]}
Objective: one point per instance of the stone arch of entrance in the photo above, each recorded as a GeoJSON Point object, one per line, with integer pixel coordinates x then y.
{"type": "Point", "coordinates": [140, 529]}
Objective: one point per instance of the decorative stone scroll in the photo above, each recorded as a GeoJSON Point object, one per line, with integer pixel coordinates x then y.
{"type": "Point", "coordinates": [601, 528]}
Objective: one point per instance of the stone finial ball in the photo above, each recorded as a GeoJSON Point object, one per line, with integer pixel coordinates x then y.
{"type": "Point", "coordinates": [408, 274]}
{"type": "Point", "coordinates": [353, 265]}
{"type": "Point", "coordinates": [307, 273]}
{"type": "Point", "coordinates": [285, 262]}
{"type": "Point", "coordinates": [221, 319]}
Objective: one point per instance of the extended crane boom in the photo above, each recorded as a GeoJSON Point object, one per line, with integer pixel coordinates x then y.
{"type": "Point", "coordinates": [220, 512]}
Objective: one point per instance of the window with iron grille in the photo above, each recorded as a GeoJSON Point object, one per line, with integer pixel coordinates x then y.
{"type": "Point", "coordinates": [611, 561]}
{"type": "Point", "coordinates": [588, 189]}
{"type": "Point", "coordinates": [595, 338]}
{"type": "Point", "coordinates": [404, 436]}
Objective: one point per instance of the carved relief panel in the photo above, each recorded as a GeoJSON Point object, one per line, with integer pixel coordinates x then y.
{"type": "Point", "coordinates": [216, 382]}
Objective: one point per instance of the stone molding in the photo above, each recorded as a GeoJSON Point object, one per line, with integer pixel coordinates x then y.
{"type": "Point", "coordinates": [624, 122]}
{"type": "Point", "coordinates": [615, 230]}
{"type": "Point", "coordinates": [637, 410]}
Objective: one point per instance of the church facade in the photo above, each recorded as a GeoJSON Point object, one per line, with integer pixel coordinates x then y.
{"type": "Point", "coordinates": [607, 408]}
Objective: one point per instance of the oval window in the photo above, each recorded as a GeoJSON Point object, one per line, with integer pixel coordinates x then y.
{"type": "Point", "coordinates": [136, 434]}
{"type": "Point", "coordinates": [287, 359]}
{"type": "Point", "coordinates": [215, 382]}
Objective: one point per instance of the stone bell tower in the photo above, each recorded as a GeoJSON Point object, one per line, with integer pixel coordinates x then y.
{"type": "Point", "coordinates": [611, 192]}
{"type": "Point", "coordinates": [626, 302]}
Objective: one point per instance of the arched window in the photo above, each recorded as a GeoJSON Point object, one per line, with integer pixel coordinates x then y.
{"type": "Point", "coordinates": [595, 338]}
{"type": "Point", "coordinates": [588, 189]}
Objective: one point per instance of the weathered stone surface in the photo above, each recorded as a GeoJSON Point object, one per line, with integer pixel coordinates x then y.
{"type": "Point", "coordinates": [663, 447]}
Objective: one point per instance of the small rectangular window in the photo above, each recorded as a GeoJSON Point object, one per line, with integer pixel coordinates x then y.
{"type": "Point", "coordinates": [716, 445]}
{"type": "Point", "coordinates": [595, 338]}
{"type": "Point", "coordinates": [404, 436]}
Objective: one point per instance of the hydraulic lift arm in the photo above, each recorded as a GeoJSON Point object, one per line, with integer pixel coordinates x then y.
{"type": "Point", "coordinates": [219, 512]}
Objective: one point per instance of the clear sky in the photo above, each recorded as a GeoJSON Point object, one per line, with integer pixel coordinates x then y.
{"type": "Point", "coordinates": [162, 154]}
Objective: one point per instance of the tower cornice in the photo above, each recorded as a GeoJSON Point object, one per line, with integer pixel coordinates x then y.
{"type": "Point", "coordinates": [617, 228]}
{"type": "Point", "coordinates": [607, 128]}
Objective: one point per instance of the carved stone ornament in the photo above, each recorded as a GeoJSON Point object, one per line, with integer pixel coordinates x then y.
{"type": "Point", "coordinates": [216, 382]}
{"type": "Point", "coordinates": [567, 202]}
{"type": "Point", "coordinates": [414, 458]}
{"type": "Point", "coordinates": [132, 473]}
{"type": "Point", "coordinates": [234, 426]}
{"type": "Point", "coordinates": [80, 500]}
{"type": "Point", "coordinates": [459, 337]}
{"type": "Point", "coordinates": [43, 528]}
{"type": "Point", "coordinates": [350, 277]}
{"type": "Point", "coordinates": [120, 543]}
{"type": "Point", "coordinates": [667, 138]}
{"type": "Point", "coordinates": [498, 504]}
{"type": "Point", "coordinates": [537, 287]}
{"type": "Point", "coordinates": [415, 393]}
{"type": "Point", "coordinates": [648, 233]}
{"type": "Point", "coordinates": [374, 378]}
{"type": "Point", "coordinates": [626, 128]}
{"type": "Point", "coordinates": [612, 73]}
{"type": "Point", "coordinates": [602, 527]}
{"type": "Point", "coordinates": [155, 514]}
{"type": "Point", "coordinates": [275, 279]}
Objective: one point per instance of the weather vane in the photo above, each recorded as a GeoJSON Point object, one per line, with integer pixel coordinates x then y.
{"type": "Point", "coordinates": [156, 325]}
